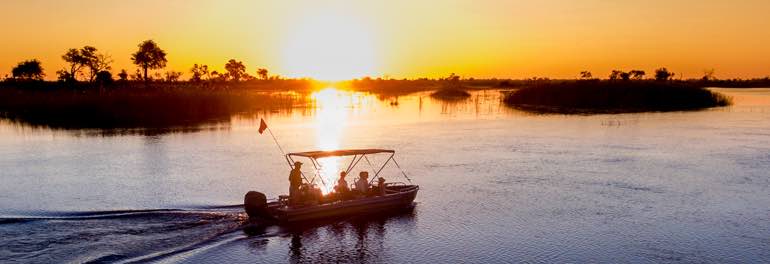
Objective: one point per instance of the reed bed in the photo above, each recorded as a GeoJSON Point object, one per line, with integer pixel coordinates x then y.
{"type": "Point", "coordinates": [595, 96]}
{"type": "Point", "coordinates": [166, 107]}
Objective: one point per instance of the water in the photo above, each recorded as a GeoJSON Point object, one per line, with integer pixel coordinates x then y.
{"type": "Point", "coordinates": [497, 185]}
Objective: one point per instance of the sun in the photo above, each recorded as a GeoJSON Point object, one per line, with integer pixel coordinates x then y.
{"type": "Point", "coordinates": [329, 46]}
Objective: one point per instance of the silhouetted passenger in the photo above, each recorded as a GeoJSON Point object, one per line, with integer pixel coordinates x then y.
{"type": "Point", "coordinates": [295, 180]}
{"type": "Point", "coordinates": [342, 185]}
{"type": "Point", "coordinates": [362, 185]}
{"type": "Point", "coordinates": [381, 186]}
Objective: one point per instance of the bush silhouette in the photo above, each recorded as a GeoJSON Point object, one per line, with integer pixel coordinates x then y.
{"type": "Point", "coordinates": [28, 70]}
{"type": "Point", "coordinates": [663, 74]}
{"type": "Point", "coordinates": [103, 78]}
{"type": "Point", "coordinates": [123, 75]}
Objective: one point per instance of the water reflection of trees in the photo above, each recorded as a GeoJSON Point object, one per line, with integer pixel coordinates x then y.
{"type": "Point", "coordinates": [353, 240]}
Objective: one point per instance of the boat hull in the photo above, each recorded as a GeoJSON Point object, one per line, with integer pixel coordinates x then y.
{"type": "Point", "coordinates": [397, 197]}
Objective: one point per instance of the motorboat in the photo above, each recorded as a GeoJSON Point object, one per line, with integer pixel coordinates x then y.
{"type": "Point", "coordinates": [315, 206]}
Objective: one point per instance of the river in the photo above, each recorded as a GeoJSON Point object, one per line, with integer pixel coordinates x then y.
{"type": "Point", "coordinates": [497, 185]}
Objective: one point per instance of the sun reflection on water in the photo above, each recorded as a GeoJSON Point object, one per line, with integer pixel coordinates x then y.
{"type": "Point", "coordinates": [331, 120]}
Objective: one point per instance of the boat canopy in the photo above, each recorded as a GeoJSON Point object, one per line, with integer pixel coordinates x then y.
{"type": "Point", "coordinates": [358, 155]}
{"type": "Point", "coordinates": [338, 153]}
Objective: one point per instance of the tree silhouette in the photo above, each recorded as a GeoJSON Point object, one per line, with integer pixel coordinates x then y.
{"type": "Point", "coordinates": [149, 56]}
{"type": "Point", "coordinates": [663, 74]}
{"type": "Point", "coordinates": [99, 63]}
{"type": "Point", "coordinates": [85, 57]}
{"type": "Point", "coordinates": [585, 75]}
{"type": "Point", "coordinates": [28, 70]}
{"type": "Point", "coordinates": [708, 75]}
{"type": "Point", "coordinates": [77, 59]}
{"type": "Point", "coordinates": [637, 74]}
{"type": "Point", "coordinates": [64, 76]}
{"type": "Point", "coordinates": [625, 76]}
{"type": "Point", "coordinates": [235, 69]}
{"type": "Point", "coordinates": [262, 73]}
{"type": "Point", "coordinates": [616, 74]}
{"type": "Point", "coordinates": [198, 72]}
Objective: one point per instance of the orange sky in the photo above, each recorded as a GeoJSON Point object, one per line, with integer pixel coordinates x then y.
{"type": "Point", "coordinates": [344, 39]}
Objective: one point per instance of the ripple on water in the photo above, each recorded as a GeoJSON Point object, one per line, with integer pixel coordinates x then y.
{"type": "Point", "coordinates": [107, 236]}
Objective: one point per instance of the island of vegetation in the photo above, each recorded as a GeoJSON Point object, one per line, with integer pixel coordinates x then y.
{"type": "Point", "coordinates": [623, 92]}
{"type": "Point", "coordinates": [452, 89]}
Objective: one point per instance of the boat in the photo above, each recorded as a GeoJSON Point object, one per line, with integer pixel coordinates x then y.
{"type": "Point", "coordinates": [396, 195]}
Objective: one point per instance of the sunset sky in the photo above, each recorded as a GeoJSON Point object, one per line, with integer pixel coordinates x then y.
{"type": "Point", "coordinates": [403, 39]}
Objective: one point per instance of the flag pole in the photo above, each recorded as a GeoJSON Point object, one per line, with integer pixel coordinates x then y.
{"type": "Point", "coordinates": [262, 127]}
{"type": "Point", "coordinates": [276, 141]}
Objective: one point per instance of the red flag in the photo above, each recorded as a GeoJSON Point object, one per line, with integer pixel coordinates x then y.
{"type": "Point", "coordinates": [262, 125]}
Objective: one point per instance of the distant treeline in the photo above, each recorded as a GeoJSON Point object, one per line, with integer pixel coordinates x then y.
{"type": "Point", "coordinates": [88, 65]}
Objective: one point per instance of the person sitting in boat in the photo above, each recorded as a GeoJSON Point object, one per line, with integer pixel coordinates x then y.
{"type": "Point", "coordinates": [342, 188]}
{"type": "Point", "coordinates": [362, 184]}
{"type": "Point", "coordinates": [295, 180]}
{"type": "Point", "coordinates": [381, 186]}
{"type": "Point", "coordinates": [310, 194]}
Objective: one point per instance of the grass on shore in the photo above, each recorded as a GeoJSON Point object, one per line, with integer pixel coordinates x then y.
{"type": "Point", "coordinates": [450, 94]}
{"type": "Point", "coordinates": [594, 96]}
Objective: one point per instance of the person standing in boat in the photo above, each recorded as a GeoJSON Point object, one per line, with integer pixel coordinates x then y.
{"type": "Point", "coordinates": [362, 185]}
{"type": "Point", "coordinates": [295, 180]}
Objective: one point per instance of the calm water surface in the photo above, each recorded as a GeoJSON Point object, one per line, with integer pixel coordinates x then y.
{"type": "Point", "coordinates": [497, 185]}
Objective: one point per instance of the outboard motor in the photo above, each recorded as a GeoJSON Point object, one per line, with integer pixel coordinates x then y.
{"type": "Point", "coordinates": [255, 204]}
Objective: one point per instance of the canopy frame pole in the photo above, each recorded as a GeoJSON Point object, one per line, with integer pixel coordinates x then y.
{"type": "Point", "coordinates": [350, 165]}
{"type": "Point", "coordinates": [353, 165]}
{"type": "Point", "coordinates": [383, 166]}
{"type": "Point", "coordinates": [315, 171]}
{"type": "Point", "coordinates": [373, 169]}
{"type": "Point", "coordinates": [402, 171]}
{"type": "Point", "coordinates": [318, 168]}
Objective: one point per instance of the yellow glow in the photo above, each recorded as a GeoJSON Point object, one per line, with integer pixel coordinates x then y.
{"type": "Point", "coordinates": [329, 47]}
{"type": "Point", "coordinates": [331, 121]}
{"type": "Point", "coordinates": [339, 39]}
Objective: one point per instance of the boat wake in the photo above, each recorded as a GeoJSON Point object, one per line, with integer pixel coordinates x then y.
{"type": "Point", "coordinates": [112, 236]}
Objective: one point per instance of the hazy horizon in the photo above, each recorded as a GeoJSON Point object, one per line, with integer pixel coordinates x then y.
{"type": "Point", "coordinates": [400, 39]}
